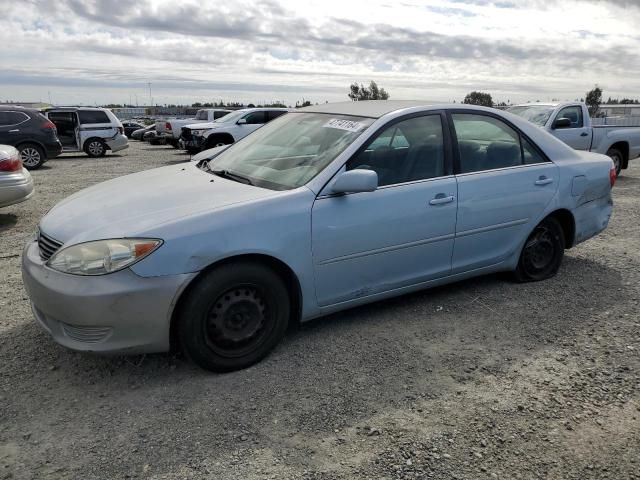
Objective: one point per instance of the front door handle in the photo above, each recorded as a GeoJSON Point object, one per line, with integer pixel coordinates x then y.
{"type": "Point", "coordinates": [14, 130]}
{"type": "Point", "coordinates": [441, 199]}
{"type": "Point", "coordinates": [542, 180]}
{"type": "Point", "coordinates": [584, 134]}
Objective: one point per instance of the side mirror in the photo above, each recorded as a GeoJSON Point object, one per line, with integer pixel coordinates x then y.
{"type": "Point", "coordinates": [561, 123]}
{"type": "Point", "coordinates": [356, 181]}
{"type": "Point", "coordinates": [242, 121]}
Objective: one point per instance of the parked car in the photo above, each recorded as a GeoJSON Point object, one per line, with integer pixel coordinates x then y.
{"type": "Point", "coordinates": [139, 134]}
{"type": "Point", "coordinates": [89, 130]}
{"type": "Point", "coordinates": [31, 133]}
{"type": "Point", "coordinates": [170, 129]}
{"type": "Point", "coordinates": [226, 130]}
{"type": "Point", "coordinates": [16, 184]}
{"type": "Point", "coordinates": [154, 139]}
{"type": "Point", "coordinates": [322, 209]}
{"type": "Point", "coordinates": [571, 123]}
{"type": "Point", "coordinates": [130, 127]}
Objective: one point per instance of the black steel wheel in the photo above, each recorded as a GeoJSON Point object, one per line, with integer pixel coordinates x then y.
{"type": "Point", "coordinates": [542, 253]}
{"type": "Point", "coordinates": [233, 316]}
{"type": "Point", "coordinates": [616, 156]}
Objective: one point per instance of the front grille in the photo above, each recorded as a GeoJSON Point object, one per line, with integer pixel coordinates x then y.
{"type": "Point", "coordinates": [86, 334]}
{"type": "Point", "coordinates": [185, 133]}
{"type": "Point", "coordinates": [47, 245]}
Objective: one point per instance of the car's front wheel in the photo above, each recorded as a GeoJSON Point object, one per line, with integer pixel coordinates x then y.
{"type": "Point", "coordinates": [542, 253]}
{"type": "Point", "coordinates": [95, 147]}
{"type": "Point", "coordinates": [32, 156]}
{"type": "Point", "coordinates": [233, 316]}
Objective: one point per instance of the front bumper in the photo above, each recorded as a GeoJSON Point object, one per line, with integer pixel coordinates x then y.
{"type": "Point", "coordinates": [15, 188]}
{"type": "Point", "coordinates": [117, 143]}
{"type": "Point", "coordinates": [193, 143]}
{"type": "Point", "coordinates": [116, 313]}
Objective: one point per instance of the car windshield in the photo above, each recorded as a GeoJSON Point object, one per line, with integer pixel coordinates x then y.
{"type": "Point", "coordinates": [538, 114]}
{"type": "Point", "coordinates": [289, 151]}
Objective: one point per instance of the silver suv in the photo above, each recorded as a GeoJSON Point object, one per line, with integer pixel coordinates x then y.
{"type": "Point", "coordinates": [89, 130]}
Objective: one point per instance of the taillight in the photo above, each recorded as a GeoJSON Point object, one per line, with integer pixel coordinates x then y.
{"type": "Point", "coordinates": [167, 126]}
{"type": "Point", "coordinates": [120, 130]}
{"type": "Point", "coordinates": [49, 125]}
{"type": "Point", "coordinates": [11, 163]}
{"type": "Point", "coordinates": [612, 176]}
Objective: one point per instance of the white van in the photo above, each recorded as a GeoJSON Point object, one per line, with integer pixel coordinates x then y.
{"type": "Point", "coordinates": [89, 130]}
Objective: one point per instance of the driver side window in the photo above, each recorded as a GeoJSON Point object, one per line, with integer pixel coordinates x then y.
{"type": "Point", "coordinates": [574, 114]}
{"type": "Point", "coordinates": [407, 151]}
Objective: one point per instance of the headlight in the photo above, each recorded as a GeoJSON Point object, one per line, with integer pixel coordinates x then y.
{"type": "Point", "coordinates": [197, 133]}
{"type": "Point", "coordinates": [102, 256]}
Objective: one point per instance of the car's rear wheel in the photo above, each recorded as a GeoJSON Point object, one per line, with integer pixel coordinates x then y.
{"type": "Point", "coordinates": [233, 316]}
{"type": "Point", "coordinates": [617, 157]}
{"type": "Point", "coordinates": [542, 253]}
{"type": "Point", "coordinates": [32, 155]}
{"type": "Point", "coordinates": [95, 147]}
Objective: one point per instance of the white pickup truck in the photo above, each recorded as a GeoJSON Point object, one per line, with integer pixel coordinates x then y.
{"type": "Point", "coordinates": [570, 122]}
{"type": "Point", "coordinates": [170, 129]}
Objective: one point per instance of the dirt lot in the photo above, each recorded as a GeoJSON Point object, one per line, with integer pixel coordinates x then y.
{"type": "Point", "coordinates": [481, 379]}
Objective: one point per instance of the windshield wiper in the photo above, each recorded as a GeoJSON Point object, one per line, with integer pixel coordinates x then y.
{"type": "Point", "coordinates": [231, 176]}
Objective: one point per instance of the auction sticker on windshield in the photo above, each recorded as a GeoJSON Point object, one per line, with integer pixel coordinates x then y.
{"type": "Point", "coordinates": [348, 125]}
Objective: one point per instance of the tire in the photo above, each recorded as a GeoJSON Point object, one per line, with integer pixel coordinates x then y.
{"type": "Point", "coordinates": [233, 316]}
{"type": "Point", "coordinates": [542, 253]}
{"type": "Point", "coordinates": [216, 141]}
{"type": "Point", "coordinates": [32, 155]}
{"type": "Point", "coordinates": [95, 147]}
{"type": "Point", "coordinates": [617, 157]}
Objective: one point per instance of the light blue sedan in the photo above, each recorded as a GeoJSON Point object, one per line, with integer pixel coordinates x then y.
{"type": "Point", "coordinates": [320, 210]}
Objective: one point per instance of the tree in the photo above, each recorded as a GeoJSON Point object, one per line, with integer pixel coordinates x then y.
{"type": "Point", "coordinates": [360, 92]}
{"type": "Point", "coordinates": [593, 100]}
{"type": "Point", "coordinates": [478, 98]}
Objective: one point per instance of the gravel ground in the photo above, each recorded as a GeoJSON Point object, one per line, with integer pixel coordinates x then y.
{"type": "Point", "coordinates": [481, 379]}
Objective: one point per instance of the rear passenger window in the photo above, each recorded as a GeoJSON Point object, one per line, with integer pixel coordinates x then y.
{"type": "Point", "coordinates": [255, 118]}
{"type": "Point", "coordinates": [486, 143]}
{"type": "Point", "coordinates": [531, 155]}
{"type": "Point", "coordinates": [409, 150]}
{"type": "Point", "coordinates": [274, 114]}
{"type": "Point", "coordinates": [12, 118]}
{"type": "Point", "coordinates": [93, 116]}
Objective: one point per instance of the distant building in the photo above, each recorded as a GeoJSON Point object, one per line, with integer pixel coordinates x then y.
{"type": "Point", "coordinates": [125, 113]}
{"type": "Point", "coordinates": [620, 110]}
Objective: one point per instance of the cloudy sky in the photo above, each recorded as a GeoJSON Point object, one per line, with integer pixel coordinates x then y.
{"type": "Point", "coordinates": [95, 51]}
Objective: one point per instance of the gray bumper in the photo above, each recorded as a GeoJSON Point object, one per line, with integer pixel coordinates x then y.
{"type": "Point", "coordinates": [15, 188]}
{"type": "Point", "coordinates": [117, 143]}
{"type": "Point", "coordinates": [117, 313]}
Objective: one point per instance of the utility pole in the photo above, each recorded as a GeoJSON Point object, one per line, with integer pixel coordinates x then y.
{"type": "Point", "coordinates": [150, 97]}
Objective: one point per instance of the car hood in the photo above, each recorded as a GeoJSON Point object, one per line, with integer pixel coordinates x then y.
{"type": "Point", "coordinates": [131, 205]}
{"type": "Point", "coordinates": [205, 125]}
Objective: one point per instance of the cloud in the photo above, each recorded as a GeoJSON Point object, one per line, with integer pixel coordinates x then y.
{"type": "Point", "coordinates": [417, 47]}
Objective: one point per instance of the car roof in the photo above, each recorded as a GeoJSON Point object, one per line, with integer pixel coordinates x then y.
{"type": "Point", "coordinates": [49, 109]}
{"type": "Point", "coordinates": [380, 108]}
{"type": "Point", "coordinates": [18, 107]}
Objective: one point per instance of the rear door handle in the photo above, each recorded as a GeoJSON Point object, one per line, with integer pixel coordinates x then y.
{"type": "Point", "coordinates": [584, 134]}
{"type": "Point", "coordinates": [544, 181]}
{"type": "Point", "coordinates": [441, 199]}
